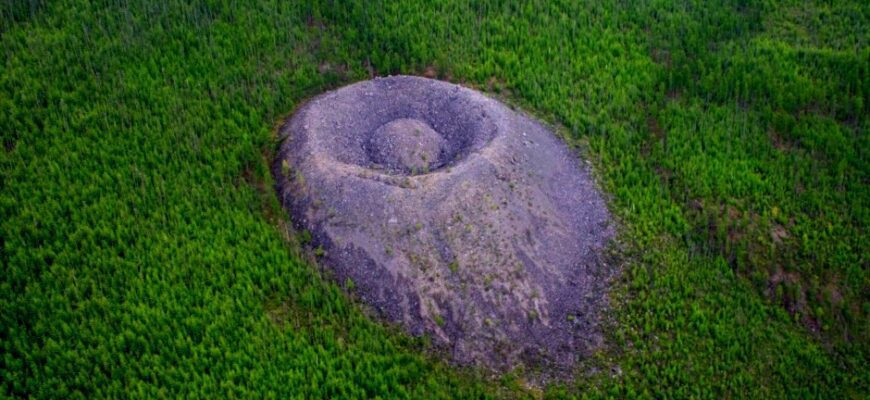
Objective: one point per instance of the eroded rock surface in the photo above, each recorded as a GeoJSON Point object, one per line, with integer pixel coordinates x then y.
{"type": "Point", "coordinates": [454, 216]}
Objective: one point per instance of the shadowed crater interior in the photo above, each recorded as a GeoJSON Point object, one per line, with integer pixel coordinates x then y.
{"type": "Point", "coordinates": [454, 216]}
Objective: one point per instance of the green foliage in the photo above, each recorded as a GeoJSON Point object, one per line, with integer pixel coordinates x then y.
{"type": "Point", "coordinates": [454, 267]}
{"type": "Point", "coordinates": [304, 237]}
{"type": "Point", "coordinates": [143, 252]}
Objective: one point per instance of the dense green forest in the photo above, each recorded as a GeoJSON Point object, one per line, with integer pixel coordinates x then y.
{"type": "Point", "coordinates": [144, 253]}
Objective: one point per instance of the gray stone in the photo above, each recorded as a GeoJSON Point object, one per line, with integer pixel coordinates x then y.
{"type": "Point", "coordinates": [454, 216]}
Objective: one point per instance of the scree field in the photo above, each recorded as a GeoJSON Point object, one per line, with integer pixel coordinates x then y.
{"type": "Point", "coordinates": [144, 253]}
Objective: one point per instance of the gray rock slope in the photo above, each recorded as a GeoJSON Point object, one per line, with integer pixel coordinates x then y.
{"type": "Point", "coordinates": [454, 216]}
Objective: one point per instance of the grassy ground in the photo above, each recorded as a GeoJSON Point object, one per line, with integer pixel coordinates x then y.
{"type": "Point", "coordinates": [143, 251]}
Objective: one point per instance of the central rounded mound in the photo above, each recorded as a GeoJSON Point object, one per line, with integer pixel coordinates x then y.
{"type": "Point", "coordinates": [453, 216]}
{"type": "Point", "coordinates": [407, 145]}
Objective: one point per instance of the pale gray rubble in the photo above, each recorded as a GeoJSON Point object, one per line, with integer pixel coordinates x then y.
{"type": "Point", "coordinates": [454, 216]}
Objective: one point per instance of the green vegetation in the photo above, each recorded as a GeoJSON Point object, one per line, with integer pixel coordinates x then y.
{"type": "Point", "coordinates": [144, 253]}
{"type": "Point", "coordinates": [454, 267]}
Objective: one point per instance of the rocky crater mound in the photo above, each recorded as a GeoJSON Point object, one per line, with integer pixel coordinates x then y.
{"type": "Point", "coordinates": [453, 216]}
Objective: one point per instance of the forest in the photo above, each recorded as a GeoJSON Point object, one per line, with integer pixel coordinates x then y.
{"type": "Point", "coordinates": [144, 252]}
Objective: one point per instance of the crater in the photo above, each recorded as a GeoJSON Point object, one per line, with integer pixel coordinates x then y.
{"type": "Point", "coordinates": [455, 217]}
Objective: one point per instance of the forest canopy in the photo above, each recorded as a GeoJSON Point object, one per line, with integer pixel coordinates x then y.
{"type": "Point", "coordinates": [144, 253]}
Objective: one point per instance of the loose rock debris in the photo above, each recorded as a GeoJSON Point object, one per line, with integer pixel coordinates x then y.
{"type": "Point", "coordinates": [453, 216]}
